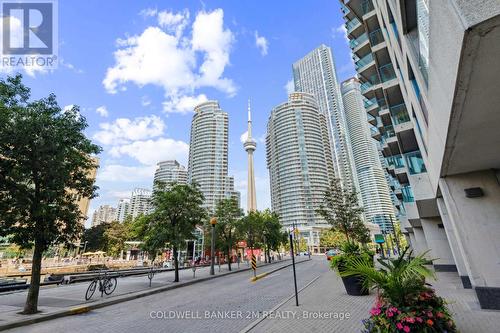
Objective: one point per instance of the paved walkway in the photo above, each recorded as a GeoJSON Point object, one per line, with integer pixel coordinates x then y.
{"type": "Point", "coordinates": [326, 297]}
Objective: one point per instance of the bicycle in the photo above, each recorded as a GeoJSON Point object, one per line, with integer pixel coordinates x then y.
{"type": "Point", "coordinates": [107, 285]}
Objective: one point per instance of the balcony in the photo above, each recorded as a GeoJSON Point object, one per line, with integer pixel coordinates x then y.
{"type": "Point", "coordinates": [365, 87]}
{"type": "Point", "coordinates": [352, 25]}
{"type": "Point", "coordinates": [367, 6]}
{"type": "Point", "coordinates": [387, 72]}
{"type": "Point", "coordinates": [415, 163]}
{"type": "Point", "coordinates": [407, 194]}
{"type": "Point", "coordinates": [369, 102]}
{"type": "Point", "coordinates": [376, 37]}
{"type": "Point", "coordinates": [389, 132]}
{"type": "Point", "coordinates": [399, 114]}
{"type": "Point", "coordinates": [353, 43]}
{"type": "Point", "coordinates": [396, 161]}
{"type": "Point", "coordinates": [364, 61]}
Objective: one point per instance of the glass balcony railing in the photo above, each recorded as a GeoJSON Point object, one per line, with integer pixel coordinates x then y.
{"type": "Point", "coordinates": [396, 161]}
{"type": "Point", "coordinates": [374, 131]}
{"type": "Point", "coordinates": [415, 162]}
{"type": "Point", "coordinates": [370, 102]}
{"type": "Point", "coordinates": [367, 6]}
{"type": "Point", "coordinates": [376, 37]}
{"type": "Point", "coordinates": [364, 61]}
{"type": "Point", "coordinates": [350, 25]}
{"type": "Point", "coordinates": [399, 114]}
{"type": "Point", "coordinates": [365, 86]}
{"type": "Point", "coordinates": [374, 79]}
{"type": "Point", "coordinates": [360, 40]}
{"type": "Point", "coordinates": [407, 193]}
{"type": "Point", "coordinates": [387, 72]}
{"type": "Point", "coordinates": [370, 117]}
{"type": "Point", "coordinates": [389, 132]}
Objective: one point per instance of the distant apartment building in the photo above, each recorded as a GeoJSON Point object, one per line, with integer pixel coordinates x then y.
{"type": "Point", "coordinates": [315, 74]}
{"type": "Point", "coordinates": [373, 186]}
{"type": "Point", "coordinates": [169, 172]}
{"type": "Point", "coordinates": [429, 73]}
{"type": "Point", "coordinates": [103, 214]}
{"type": "Point", "coordinates": [208, 154]}
{"type": "Point", "coordinates": [140, 202]}
{"type": "Point", "coordinates": [122, 210]}
{"type": "Point", "coordinates": [299, 160]}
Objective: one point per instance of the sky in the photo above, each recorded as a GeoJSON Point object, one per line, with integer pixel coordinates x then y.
{"type": "Point", "coordinates": [137, 68]}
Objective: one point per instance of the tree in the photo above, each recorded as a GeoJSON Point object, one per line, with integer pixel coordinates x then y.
{"type": "Point", "coordinates": [340, 208]}
{"type": "Point", "coordinates": [249, 228]}
{"type": "Point", "coordinates": [95, 238]}
{"type": "Point", "coordinates": [272, 235]}
{"type": "Point", "coordinates": [177, 211]}
{"type": "Point", "coordinates": [331, 238]}
{"type": "Point", "coordinates": [116, 235]}
{"type": "Point", "coordinates": [228, 214]}
{"type": "Point", "coordinates": [45, 162]}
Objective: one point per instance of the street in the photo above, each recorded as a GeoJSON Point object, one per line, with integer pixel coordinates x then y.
{"type": "Point", "coordinates": [226, 304]}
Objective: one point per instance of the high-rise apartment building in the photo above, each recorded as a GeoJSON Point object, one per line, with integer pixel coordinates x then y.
{"type": "Point", "coordinates": [122, 210]}
{"type": "Point", "coordinates": [140, 202]}
{"type": "Point", "coordinates": [103, 214]}
{"type": "Point", "coordinates": [429, 73]}
{"type": "Point", "coordinates": [169, 172]}
{"type": "Point", "coordinates": [315, 74]}
{"type": "Point", "coordinates": [374, 190]}
{"type": "Point", "coordinates": [299, 160]}
{"type": "Point", "coordinates": [208, 150]}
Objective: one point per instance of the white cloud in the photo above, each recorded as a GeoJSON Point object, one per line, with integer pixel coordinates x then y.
{"type": "Point", "coordinates": [148, 12]}
{"type": "Point", "coordinates": [145, 101]}
{"type": "Point", "coordinates": [261, 43]}
{"type": "Point", "coordinates": [341, 30]}
{"type": "Point", "coordinates": [289, 87]}
{"type": "Point", "coordinates": [102, 111]}
{"type": "Point", "coordinates": [150, 152]}
{"type": "Point", "coordinates": [68, 107]}
{"type": "Point", "coordinates": [166, 56]}
{"type": "Point", "coordinates": [183, 104]}
{"type": "Point", "coordinates": [115, 194]}
{"type": "Point", "coordinates": [244, 137]}
{"type": "Point", "coordinates": [124, 130]}
{"type": "Point", "coordinates": [129, 174]}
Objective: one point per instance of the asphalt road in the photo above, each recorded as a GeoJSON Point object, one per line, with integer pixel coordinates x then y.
{"type": "Point", "coordinates": [226, 304]}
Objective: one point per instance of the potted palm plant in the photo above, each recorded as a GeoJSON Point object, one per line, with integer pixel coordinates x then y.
{"type": "Point", "coordinates": [405, 302]}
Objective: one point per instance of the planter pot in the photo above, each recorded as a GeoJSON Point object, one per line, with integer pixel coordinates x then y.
{"type": "Point", "coordinates": [354, 286]}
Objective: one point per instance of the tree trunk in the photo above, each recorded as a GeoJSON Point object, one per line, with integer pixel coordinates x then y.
{"type": "Point", "coordinates": [31, 305]}
{"type": "Point", "coordinates": [265, 254]}
{"type": "Point", "coordinates": [176, 264]}
{"type": "Point", "coordinates": [229, 258]}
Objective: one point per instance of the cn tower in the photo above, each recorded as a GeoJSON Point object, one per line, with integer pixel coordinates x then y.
{"type": "Point", "coordinates": [250, 146]}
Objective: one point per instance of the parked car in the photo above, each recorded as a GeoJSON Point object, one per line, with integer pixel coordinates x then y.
{"type": "Point", "coordinates": [330, 253]}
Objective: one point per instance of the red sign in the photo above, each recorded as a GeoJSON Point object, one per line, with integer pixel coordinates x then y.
{"type": "Point", "coordinates": [242, 244]}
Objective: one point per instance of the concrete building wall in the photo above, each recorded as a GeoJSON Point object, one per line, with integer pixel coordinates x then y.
{"type": "Point", "coordinates": [437, 242]}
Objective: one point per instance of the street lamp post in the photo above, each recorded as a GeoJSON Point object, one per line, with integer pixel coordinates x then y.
{"type": "Point", "coordinates": [213, 222]}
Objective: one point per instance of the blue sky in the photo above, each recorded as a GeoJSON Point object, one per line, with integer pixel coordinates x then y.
{"type": "Point", "coordinates": [136, 68]}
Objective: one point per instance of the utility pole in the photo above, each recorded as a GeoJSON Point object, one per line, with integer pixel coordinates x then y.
{"type": "Point", "coordinates": [294, 273]}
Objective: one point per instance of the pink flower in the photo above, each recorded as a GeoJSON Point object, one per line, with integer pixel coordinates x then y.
{"type": "Point", "coordinates": [399, 326]}
{"type": "Point", "coordinates": [419, 319]}
{"type": "Point", "coordinates": [429, 314]}
{"type": "Point", "coordinates": [375, 311]}
{"type": "Point", "coordinates": [389, 314]}
{"type": "Point", "coordinates": [406, 328]}
{"type": "Point", "coordinates": [410, 320]}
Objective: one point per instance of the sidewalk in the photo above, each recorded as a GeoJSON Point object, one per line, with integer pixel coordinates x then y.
{"type": "Point", "coordinates": [56, 301]}
{"type": "Point", "coordinates": [327, 297]}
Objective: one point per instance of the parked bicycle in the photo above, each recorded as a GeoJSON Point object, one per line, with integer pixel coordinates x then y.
{"type": "Point", "coordinates": [107, 284]}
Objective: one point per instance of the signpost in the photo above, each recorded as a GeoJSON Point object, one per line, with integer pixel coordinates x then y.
{"type": "Point", "coordinates": [254, 265]}
{"type": "Point", "coordinates": [294, 274]}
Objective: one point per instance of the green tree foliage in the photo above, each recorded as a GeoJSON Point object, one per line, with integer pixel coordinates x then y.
{"type": "Point", "coordinates": [340, 208]}
{"type": "Point", "coordinates": [96, 238]}
{"type": "Point", "coordinates": [272, 236]}
{"type": "Point", "coordinates": [116, 235]}
{"type": "Point", "coordinates": [177, 211]}
{"type": "Point", "coordinates": [228, 214]}
{"type": "Point", "coordinates": [45, 160]}
{"type": "Point", "coordinates": [331, 238]}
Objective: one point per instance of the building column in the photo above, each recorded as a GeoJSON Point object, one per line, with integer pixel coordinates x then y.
{"type": "Point", "coordinates": [420, 245]}
{"type": "Point", "coordinates": [412, 241]}
{"type": "Point", "coordinates": [452, 239]}
{"type": "Point", "coordinates": [476, 222]}
{"type": "Point", "coordinates": [435, 236]}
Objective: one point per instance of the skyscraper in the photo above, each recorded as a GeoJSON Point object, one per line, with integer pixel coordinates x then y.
{"type": "Point", "coordinates": [103, 214]}
{"type": "Point", "coordinates": [208, 162]}
{"type": "Point", "coordinates": [169, 172]}
{"type": "Point", "coordinates": [250, 146]}
{"type": "Point", "coordinates": [299, 160]}
{"type": "Point", "coordinates": [378, 207]}
{"type": "Point", "coordinates": [140, 202]}
{"type": "Point", "coordinates": [315, 74]}
{"type": "Point", "coordinates": [122, 210]}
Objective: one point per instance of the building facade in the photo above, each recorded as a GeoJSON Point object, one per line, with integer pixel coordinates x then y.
{"type": "Point", "coordinates": [103, 214]}
{"type": "Point", "coordinates": [122, 210]}
{"type": "Point", "coordinates": [140, 202]}
{"type": "Point", "coordinates": [169, 172]}
{"type": "Point", "coordinates": [315, 74]}
{"type": "Point", "coordinates": [373, 187]}
{"type": "Point", "coordinates": [208, 154]}
{"type": "Point", "coordinates": [299, 160]}
{"type": "Point", "coordinates": [429, 74]}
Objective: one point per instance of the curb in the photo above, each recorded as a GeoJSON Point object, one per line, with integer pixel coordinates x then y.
{"type": "Point", "coordinates": [123, 298]}
{"type": "Point", "coordinates": [260, 276]}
